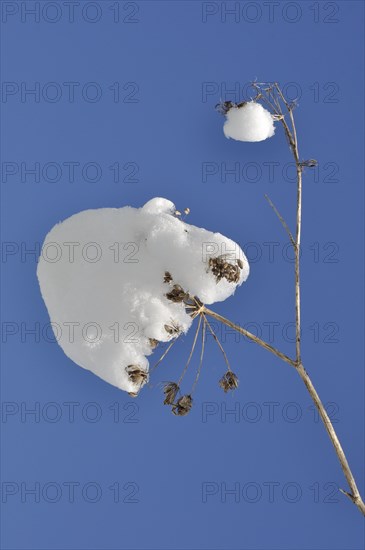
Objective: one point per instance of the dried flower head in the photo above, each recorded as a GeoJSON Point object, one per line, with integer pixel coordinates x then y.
{"type": "Point", "coordinates": [183, 405]}
{"type": "Point", "coordinates": [170, 390]}
{"type": "Point", "coordinates": [153, 343]}
{"type": "Point", "coordinates": [229, 381]}
{"type": "Point", "coordinates": [137, 376]}
{"type": "Point", "coordinates": [167, 277]}
{"type": "Point", "coordinates": [224, 269]}
{"type": "Point", "coordinates": [173, 328]}
{"type": "Point", "coordinates": [177, 294]}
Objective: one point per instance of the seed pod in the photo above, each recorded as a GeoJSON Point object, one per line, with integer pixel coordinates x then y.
{"type": "Point", "coordinates": [183, 405]}
{"type": "Point", "coordinates": [137, 376]}
{"type": "Point", "coordinates": [170, 390]}
{"type": "Point", "coordinates": [177, 294]}
{"type": "Point", "coordinates": [229, 381]}
{"type": "Point", "coordinates": [222, 269]}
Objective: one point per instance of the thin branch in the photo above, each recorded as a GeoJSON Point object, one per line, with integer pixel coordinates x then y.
{"type": "Point", "coordinates": [283, 222]}
{"type": "Point", "coordinates": [355, 494]}
{"type": "Point", "coordinates": [250, 336]}
{"type": "Point", "coordinates": [191, 352]}
{"type": "Point", "coordinates": [164, 354]}
{"type": "Point", "coordinates": [201, 356]}
{"type": "Point", "coordinates": [218, 342]}
{"type": "Point", "coordinates": [294, 148]}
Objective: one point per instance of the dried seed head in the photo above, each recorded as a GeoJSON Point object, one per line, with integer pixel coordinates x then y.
{"type": "Point", "coordinates": [167, 277]}
{"type": "Point", "coordinates": [224, 106]}
{"type": "Point", "coordinates": [183, 405]}
{"type": "Point", "coordinates": [229, 381]}
{"type": "Point", "coordinates": [137, 376]}
{"type": "Point", "coordinates": [170, 390]}
{"type": "Point", "coordinates": [187, 211]}
{"type": "Point", "coordinates": [177, 213]}
{"type": "Point", "coordinates": [173, 328]}
{"type": "Point", "coordinates": [222, 269]}
{"type": "Point", "coordinates": [177, 294]}
{"type": "Point", "coordinates": [153, 343]}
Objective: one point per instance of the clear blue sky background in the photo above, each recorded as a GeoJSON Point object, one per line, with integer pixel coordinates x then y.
{"type": "Point", "coordinates": [170, 51]}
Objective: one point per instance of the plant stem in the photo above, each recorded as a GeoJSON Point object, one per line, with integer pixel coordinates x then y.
{"type": "Point", "coordinates": [354, 496]}
{"type": "Point", "coordinates": [291, 135]}
{"type": "Point", "coordinates": [250, 336]}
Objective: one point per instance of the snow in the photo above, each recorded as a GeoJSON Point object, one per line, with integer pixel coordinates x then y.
{"type": "Point", "coordinates": [101, 274]}
{"type": "Point", "coordinates": [249, 122]}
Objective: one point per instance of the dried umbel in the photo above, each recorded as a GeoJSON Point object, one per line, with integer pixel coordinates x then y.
{"type": "Point", "coordinates": [137, 376]}
{"type": "Point", "coordinates": [183, 405]}
{"type": "Point", "coordinates": [222, 268]}
{"type": "Point", "coordinates": [177, 294]}
{"type": "Point", "coordinates": [167, 277]}
{"type": "Point", "coordinates": [229, 381]}
{"type": "Point", "coordinates": [171, 389]}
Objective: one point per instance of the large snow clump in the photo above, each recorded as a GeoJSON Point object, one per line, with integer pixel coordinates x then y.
{"type": "Point", "coordinates": [115, 282]}
{"type": "Point", "coordinates": [248, 122]}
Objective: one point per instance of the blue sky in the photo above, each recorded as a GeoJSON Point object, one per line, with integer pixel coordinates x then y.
{"type": "Point", "coordinates": [122, 111]}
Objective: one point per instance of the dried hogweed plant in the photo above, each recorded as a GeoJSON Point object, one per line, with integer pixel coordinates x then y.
{"type": "Point", "coordinates": [272, 106]}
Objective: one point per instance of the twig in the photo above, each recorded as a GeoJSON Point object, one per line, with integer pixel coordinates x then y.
{"type": "Point", "coordinates": [283, 222]}
{"type": "Point", "coordinates": [191, 352]}
{"type": "Point", "coordinates": [250, 336]}
{"type": "Point", "coordinates": [218, 342]}
{"type": "Point", "coordinates": [354, 496]}
{"type": "Point", "coordinates": [201, 356]}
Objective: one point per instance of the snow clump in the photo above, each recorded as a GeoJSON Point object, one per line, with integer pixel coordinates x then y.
{"type": "Point", "coordinates": [248, 122]}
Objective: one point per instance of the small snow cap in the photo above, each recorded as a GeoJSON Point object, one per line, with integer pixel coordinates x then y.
{"type": "Point", "coordinates": [158, 205]}
{"type": "Point", "coordinates": [248, 122]}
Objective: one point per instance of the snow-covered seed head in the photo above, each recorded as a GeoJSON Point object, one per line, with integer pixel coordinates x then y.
{"type": "Point", "coordinates": [137, 376]}
{"type": "Point", "coordinates": [229, 381]}
{"type": "Point", "coordinates": [134, 293]}
{"type": "Point", "coordinates": [170, 390]}
{"type": "Point", "coordinates": [223, 269]}
{"type": "Point", "coordinates": [177, 294]}
{"type": "Point", "coordinates": [248, 122]}
{"type": "Point", "coordinates": [153, 343]}
{"type": "Point", "coordinates": [183, 405]}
